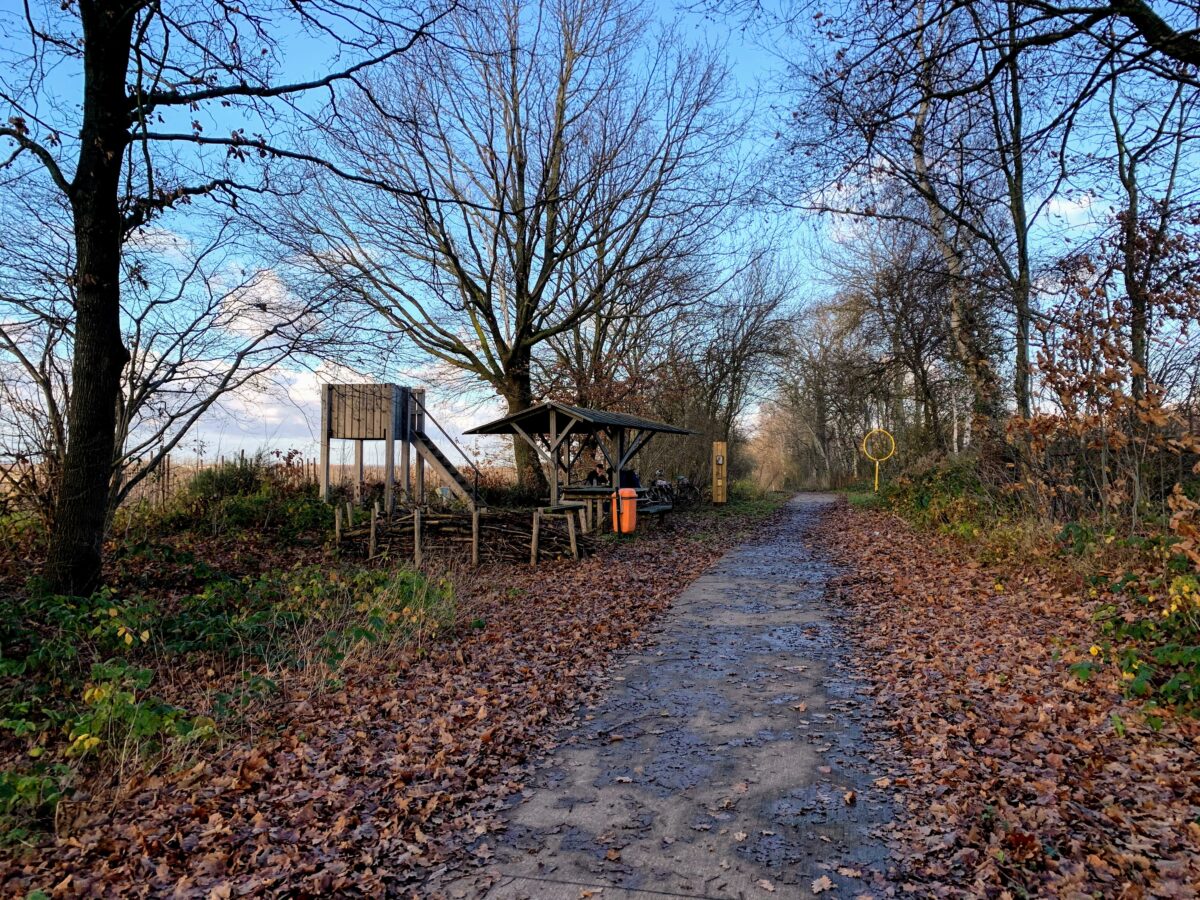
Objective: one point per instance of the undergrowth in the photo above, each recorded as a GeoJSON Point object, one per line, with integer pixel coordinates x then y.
{"type": "Point", "coordinates": [743, 498]}
{"type": "Point", "coordinates": [182, 650]}
{"type": "Point", "coordinates": [1144, 588]}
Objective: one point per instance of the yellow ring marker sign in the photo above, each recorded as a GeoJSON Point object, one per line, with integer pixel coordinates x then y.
{"type": "Point", "coordinates": [878, 459]}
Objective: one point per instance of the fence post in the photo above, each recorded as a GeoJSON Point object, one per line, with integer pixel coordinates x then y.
{"type": "Point", "coordinates": [374, 521]}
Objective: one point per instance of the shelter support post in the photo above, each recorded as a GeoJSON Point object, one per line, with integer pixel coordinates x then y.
{"type": "Point", "coordinates": [389, 466]}
{"type": "Point", "coordinates": [474, 536]}
{"type": "Point", "coordinates": [554, 448]}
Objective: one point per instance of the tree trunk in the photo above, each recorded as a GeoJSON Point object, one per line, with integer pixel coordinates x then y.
{"type": "Point", "coordinates": [1135, 289]}
{"type": "Point", "coordinates": [987, 406]}
{"type": "Point", "coordinates": [518, 392]}
{"type": "Point", "coordinates": [74, 561]}
{"type": "Point", "coordinates": [1022, 385]}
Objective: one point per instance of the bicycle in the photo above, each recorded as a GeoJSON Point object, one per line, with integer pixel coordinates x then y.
{"type": "Point", "coordinates": [661, 490]}
{"type": "Point", "coordinates": [686, 493]}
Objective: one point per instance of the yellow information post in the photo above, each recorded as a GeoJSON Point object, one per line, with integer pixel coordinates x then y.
{"type": "Point", "coordinates": [720, 466]}
{"type": "Point", "coordinates": [875, 453]}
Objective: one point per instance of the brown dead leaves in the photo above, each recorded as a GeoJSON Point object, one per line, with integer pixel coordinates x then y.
{"type": "Point", "coordinates": [1011, 772]}
{"type": "Point", "coordinates": [366, 788]}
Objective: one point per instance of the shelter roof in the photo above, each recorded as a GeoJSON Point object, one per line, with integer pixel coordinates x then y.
{"type": "Point", "coordinates": [536, 420]}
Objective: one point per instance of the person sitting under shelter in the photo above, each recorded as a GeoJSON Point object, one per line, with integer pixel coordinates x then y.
{"type": "Point", "coordinates": [598, 475]}
{"type": "Point", "coordinates": [629, 479]}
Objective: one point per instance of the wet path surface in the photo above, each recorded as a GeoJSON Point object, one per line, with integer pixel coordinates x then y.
{"type": "Point", "coordinates": [726, 759]}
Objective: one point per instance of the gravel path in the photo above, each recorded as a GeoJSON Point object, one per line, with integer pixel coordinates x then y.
{"type": "Point", "coordinates": [727, 759]}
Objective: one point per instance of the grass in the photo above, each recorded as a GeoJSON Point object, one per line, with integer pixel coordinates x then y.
{"type": "Point", "coordinates": [744, 499]}
{"type": "Point", "coordinates": [860, 499]}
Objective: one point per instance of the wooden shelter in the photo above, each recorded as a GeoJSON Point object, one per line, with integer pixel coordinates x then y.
{"type": "Point", "coordinates": [550, 426]}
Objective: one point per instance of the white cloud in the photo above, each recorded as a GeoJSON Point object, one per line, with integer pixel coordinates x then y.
{"type": "Point", "coordinates": [288, 415]}
{"type": "Point", "coordinates": [1080, 209]}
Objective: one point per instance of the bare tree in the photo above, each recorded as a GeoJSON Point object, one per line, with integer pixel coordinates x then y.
{"type": "Point", "coordinates": [579, 156]}
{"type": "Point", "coordinates": [1153, 200]}
{"type": "Point", "coordinates": [895, 294]}
{"type": "Point", "coordinates": [720, 357]}
{"type": "Point", "coordinates": [198, 325]}
{"type": "Point", "coordinates": [178, 101]}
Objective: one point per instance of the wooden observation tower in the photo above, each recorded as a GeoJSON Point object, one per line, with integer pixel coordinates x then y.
{"type": "Point", "coordinates": [394, 415]}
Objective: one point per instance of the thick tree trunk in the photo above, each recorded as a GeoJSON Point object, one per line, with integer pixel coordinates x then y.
{"type": "Point", "coordinates": [74, 561]}
{"type": "Point", "coordinates": [518, 393]}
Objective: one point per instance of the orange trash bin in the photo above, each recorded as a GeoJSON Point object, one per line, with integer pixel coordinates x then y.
{"type": "Point", "coordinates": [624, 511]}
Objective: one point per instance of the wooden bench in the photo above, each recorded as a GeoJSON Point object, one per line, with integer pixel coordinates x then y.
{"type": "Point", "coordinates": [654, 509]}
{"type": "Point", "coordinates": [569, 511]}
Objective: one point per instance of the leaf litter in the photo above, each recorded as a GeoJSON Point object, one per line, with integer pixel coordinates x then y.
{"type": "Point", "coordinates": [1014, 779]}
{"type": "Point", "coordinates": [399, 771]}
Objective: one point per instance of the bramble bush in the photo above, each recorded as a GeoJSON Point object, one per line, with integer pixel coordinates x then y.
{"type": "Point", "coordinates": [945, 493]}
{"type": "Point", "coordinates": [250, 495]}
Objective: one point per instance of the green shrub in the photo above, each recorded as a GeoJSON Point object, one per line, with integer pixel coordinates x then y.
{"type": "Point", "coordinates": [276, 510]}
{"type": "Point", "coordinates": [1157, 638]}
{"type": "Point", "coordinates": [945, 492]}
{"type": "Point", "coordinates": [30, 797]}
{"type": "Point", "coordinates": [120, 717]}
{"type": "Point", "coordinates": [237, 497]}
{"type": "Point", "coordinates": [290, 619]}
{"type": "Point", "coordinates": [231, 479]}
{"type": "Point", "coordinates": [51, 633]}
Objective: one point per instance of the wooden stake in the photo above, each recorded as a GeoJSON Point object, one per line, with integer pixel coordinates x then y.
{"type": "Point", "coordinates": [337, 525]}
{"type": "Point", "coordinates": [474, 536]}
{"type": "Point", "coordinates": [417, 536]}
{"type": "Point", "coordinates": [533, 544]}
{"type": "Point", "coordinates": [349, 514]}
{"type": "Point", "coordinates": [374, 521]}
{"type": "Point", "coordinates": [571, 532]}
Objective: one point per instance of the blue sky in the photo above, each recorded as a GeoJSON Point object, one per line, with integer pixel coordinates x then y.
{"type": "Point", "coordinates": [288, 418]}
